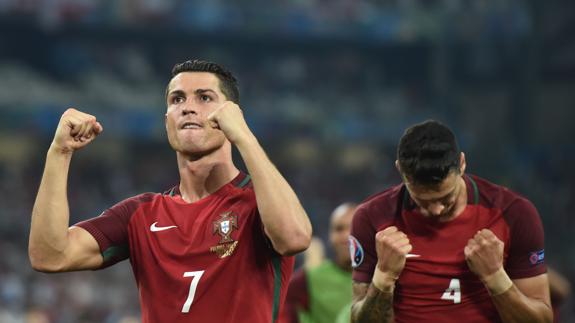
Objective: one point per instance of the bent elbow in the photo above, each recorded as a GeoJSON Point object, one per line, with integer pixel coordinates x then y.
{"type": "Point", "coordinates": [41, 264]}
{"type": "Point", "coordinates": [42, 268]}
{"type": "Point", "coordinates": [294, 245]}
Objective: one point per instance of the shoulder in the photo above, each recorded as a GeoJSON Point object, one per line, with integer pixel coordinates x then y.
{"type": "Point", "coordinates": [133, 203]}
{"type": "Point", "coordinates": [381, 206]}
{"type": "Point", "coordinates": [510, 203]}
{"type": "Point", "coordinates": [242, 188]}
{"type": "Point", "coordinates": [142, 198]}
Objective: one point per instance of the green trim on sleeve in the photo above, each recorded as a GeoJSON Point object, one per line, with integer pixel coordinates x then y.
{"type": "Point", "coordinates": [277, 263]}
{"type": "Point", "coordinates": [116, 252]}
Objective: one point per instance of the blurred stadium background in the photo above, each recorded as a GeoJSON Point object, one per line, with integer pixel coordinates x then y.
{"type": "Point", "coordinates": [327, 86]}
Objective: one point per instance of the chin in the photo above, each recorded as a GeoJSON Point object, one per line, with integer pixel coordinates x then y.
{"type": "Point", "coordinates": [198, 151]}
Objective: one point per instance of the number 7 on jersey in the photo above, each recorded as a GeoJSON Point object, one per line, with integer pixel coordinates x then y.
{"type": "Point", "coordinates": [196, 275]}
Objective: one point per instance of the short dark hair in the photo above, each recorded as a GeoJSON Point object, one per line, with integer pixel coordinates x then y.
{"type": "Point", "coordinates": [228, 83]}
{"type": "Point", "coordinates": [427, 153]}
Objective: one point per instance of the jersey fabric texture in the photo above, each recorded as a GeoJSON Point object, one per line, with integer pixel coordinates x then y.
{"type": "Point", "coordinates": [436, 284]}
{"type": "Point", "coordinates": [207, 261]}
{"type": "Point", "coordinates": [318, 294]}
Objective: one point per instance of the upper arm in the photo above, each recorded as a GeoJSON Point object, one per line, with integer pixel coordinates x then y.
{"type": "Point", "coordinates": [83, 251]}
{"type": "Point", "coordinates": [536, 287]}
{"type": "Point", "coordinates": [362, 246]}
{"type": "Point", "coordinates": [526, 251]}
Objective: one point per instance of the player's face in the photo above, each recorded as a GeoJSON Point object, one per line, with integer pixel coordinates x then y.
{"type": "Point", "coordinates": [439, 201]}
{"type": "Point", "coordinates": [340, 227]}
{"type": "Point", "coordinates": [191, 97]}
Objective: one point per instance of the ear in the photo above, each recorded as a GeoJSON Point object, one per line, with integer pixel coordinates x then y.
{"type": "Point", "coordinates": [398, 167]}
{"type": "Point", "coordinates": [462, 163]}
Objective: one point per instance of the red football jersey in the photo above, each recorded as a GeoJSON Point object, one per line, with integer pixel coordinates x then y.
{"type": "Point", "coordinates": [436, 284]}
{"type": "Point", "coordinates": [207, 261]}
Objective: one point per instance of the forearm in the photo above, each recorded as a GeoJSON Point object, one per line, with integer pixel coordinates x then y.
{"type": "Point", "coordinates": [50, 215]}
{"type": "Point", "coordinates": [512, 305]}
{"type": "Point", "coordinates": [377, 306]}
{"type": "Point", "coordinates": [285, 221]}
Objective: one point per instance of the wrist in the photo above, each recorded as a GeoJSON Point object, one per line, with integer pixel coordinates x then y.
{"type": "Point", "coordinates": [245, 141]}
{"type": "Point", "coordinates": [55, 149]}
{"type": "Point", "coordinates": [498, 282]}
{"type": "Point", "coordinates": [384, 282]}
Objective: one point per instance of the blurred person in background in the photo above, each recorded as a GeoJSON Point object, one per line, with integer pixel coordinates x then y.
{"type": "Point", "coordinates": [445, 246]}
{"type": "Point", "coordinates": [217, 247]}
{"type": "Point", "coordinates": [318, 293]}
{"type": "Point", "coordinates": [560, 290]}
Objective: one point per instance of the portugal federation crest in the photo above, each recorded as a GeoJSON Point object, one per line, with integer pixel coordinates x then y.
{"type": "Point", "coordinates": [225, 225]}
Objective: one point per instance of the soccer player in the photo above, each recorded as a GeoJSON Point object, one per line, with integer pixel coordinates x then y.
{"type": "Point", "coordinates": [318, 294]}
{"type": "Point", "coordinates": [215, 248]}
{"type": "Point", "coordinates": [445, 246]}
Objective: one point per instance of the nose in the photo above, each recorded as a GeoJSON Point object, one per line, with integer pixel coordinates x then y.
{"type": "Point", "coordinates": [435, 208]}
{"type": "Point", "coordinates": [187, 109]}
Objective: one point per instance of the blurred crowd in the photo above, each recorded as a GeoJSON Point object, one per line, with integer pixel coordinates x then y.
{"type": "Point", "coordinates": [391, 20]}
{"type": "Point", "coordinates": [328, 110]}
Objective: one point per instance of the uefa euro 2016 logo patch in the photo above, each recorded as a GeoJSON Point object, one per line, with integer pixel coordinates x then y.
{"type": "Point", "coordinates": [355, 251]}
{"type": "Point", "coordinates": [537, 257]}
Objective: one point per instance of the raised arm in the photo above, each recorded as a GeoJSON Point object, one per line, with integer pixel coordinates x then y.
{"type": "Point", "coordinates": [53, 247]}
{"type": "Point", "coordinates": [373, 303]}
{"type": "Point", "coordinates": [285, 221]}
{"type": "Point", "coordinates": [520, 300]}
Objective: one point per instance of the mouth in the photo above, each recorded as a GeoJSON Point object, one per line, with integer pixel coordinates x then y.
{"type": "Point", "coordinates": [191, 125]}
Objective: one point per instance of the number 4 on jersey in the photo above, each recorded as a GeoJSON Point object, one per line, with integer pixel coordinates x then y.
{"type": "Point", "coordinates": [196, 275]}
{"type": "Point", "coordinates": [453, 292]}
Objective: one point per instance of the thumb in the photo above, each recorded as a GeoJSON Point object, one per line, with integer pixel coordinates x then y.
{"type": "Point", "coordinates": [212, 120]}
{"type": "Point", "coordinates": [98, 128]}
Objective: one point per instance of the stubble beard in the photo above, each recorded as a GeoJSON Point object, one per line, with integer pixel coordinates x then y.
{"type": "Point", "coordinates": [198, 148]}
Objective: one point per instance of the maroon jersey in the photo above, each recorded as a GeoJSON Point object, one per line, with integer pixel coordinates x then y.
{"type": "Point", "coordinates": [207, 261]}
{"type": "Point", "coordinates": [436, 284]}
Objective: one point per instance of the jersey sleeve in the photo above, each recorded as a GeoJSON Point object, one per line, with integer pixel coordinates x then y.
{"type": "Point", "coordinates": [110, 230]}
{"type": "Point", "coordinates": [526, 251]}
{"type": "Point", "coordinates": [362, 246]}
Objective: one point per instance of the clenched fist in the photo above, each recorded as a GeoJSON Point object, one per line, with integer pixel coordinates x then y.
{"type": "Point", "coordinates": [391, 246]}
{"type": "Point", "coordinates": [484, 253]}
{"type": "Point", "coordinates": [75, 130]}
{"type": "Point", "coordinates": [230, 119]}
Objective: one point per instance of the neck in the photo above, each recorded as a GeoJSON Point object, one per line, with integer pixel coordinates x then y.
{"type": "Point", "coordinates": [200, 177]}
{"type": "Point", "coordinates": [461, 199]}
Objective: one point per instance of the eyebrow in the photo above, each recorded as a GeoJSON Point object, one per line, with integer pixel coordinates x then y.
{"type": "Point", "coordinates": [176, 92]}
{"type": "Point", "coordinates": [198, 91]}
{"type": "Point", "coordinates": [202, 91]}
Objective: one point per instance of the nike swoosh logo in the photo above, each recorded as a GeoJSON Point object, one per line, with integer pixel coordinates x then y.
{"type": "Point", "coordinates": [411, 255]}
{"type": "Point", "coordinates": [154, 228]}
